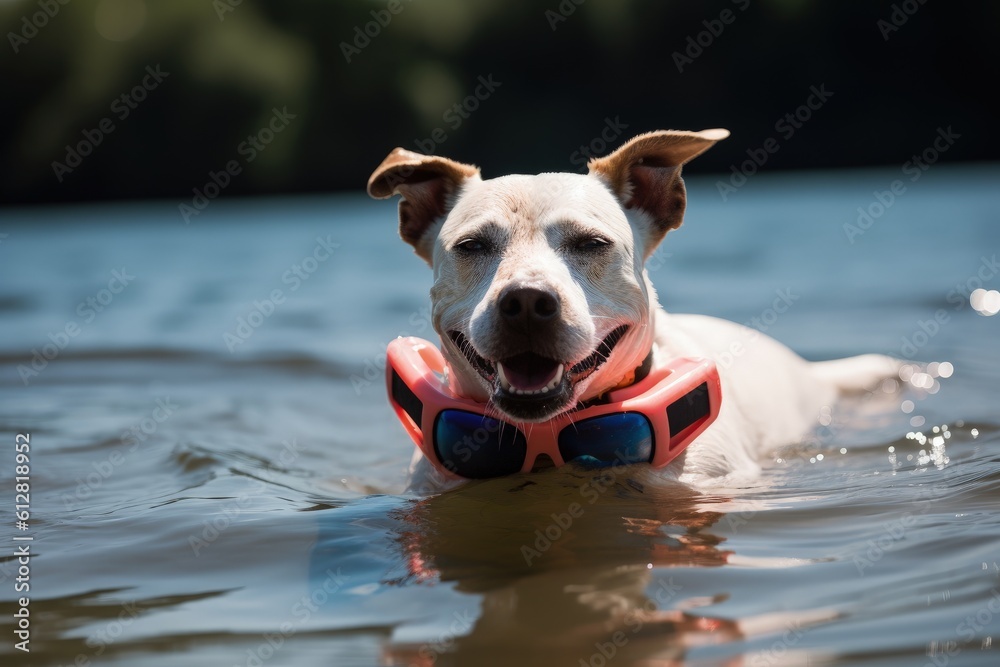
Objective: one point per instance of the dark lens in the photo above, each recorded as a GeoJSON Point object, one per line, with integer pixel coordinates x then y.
{"type": "Point", "coordinates": [688, 409]}
{"type": "Point", "coordinates": [406, 399]}
{"type": "Point", "coordinates": [619, 438]}
{"type": "Point", "coordinates": [478, 447]}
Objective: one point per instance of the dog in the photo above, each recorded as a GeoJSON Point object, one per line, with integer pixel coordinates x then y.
{"type": "Point", "coordinates": [542, 301]}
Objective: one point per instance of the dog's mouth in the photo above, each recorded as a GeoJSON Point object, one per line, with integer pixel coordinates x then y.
{"type": "Point", "coordinates": [528, 385]}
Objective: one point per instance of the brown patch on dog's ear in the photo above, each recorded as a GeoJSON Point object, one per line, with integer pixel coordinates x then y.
{"type": "Point", "coordinates": [426, 183]}
{"type": "Point", "coordinates": [645, 174]}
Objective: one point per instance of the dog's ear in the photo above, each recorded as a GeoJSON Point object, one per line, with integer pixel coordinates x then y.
{"type": "Point", "coordinates": [645, 174]}
{"type": "Point", "coordinates": [426, 183]}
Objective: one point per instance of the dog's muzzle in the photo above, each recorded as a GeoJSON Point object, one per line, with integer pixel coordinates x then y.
{"type": "Point", "coordinates": [532, 386]}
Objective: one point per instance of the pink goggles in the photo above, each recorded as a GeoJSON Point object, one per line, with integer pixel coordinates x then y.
{"type": "Point", "coordinates": [651, 421]}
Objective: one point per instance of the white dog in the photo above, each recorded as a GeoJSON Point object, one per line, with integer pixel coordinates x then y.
{"type": "Point", "coordinates": [542, 301]}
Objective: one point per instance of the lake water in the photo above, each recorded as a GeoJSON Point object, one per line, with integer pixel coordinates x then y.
{"type": "Point", "coordinates": [206, 493]}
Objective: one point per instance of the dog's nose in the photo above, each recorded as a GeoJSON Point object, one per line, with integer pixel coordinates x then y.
{"type": "Point", "coordinates": [523, 306]}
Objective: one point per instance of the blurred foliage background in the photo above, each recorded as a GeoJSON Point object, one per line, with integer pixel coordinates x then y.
{"type": "Point", "coordinates": [363, 76]}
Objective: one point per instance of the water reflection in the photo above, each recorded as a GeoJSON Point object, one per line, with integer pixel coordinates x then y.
{"type": "Point", "coordinates": [541, 575]}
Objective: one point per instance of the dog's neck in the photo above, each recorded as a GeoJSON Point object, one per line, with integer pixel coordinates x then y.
{"type": "Point", "coordinates": [637, 374]}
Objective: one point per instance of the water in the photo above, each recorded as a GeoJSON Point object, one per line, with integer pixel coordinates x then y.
{"type": "Point", "coordinates": [192, 505]}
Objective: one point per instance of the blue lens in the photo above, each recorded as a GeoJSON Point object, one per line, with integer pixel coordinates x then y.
{"type": "Point", "coordinates": [478, 447]}
{"type": "Point", "coordinates": [619, 438]}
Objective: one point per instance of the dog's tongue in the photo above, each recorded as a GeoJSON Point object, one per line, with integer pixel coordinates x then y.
{"type": "Point", "coordinates": [530, 371]}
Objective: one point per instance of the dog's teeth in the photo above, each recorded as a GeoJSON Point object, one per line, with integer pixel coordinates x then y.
{"type": "Point", "coordinates": [504, 382]}
{"type": "Point", "coordinates": [506, 385]}
{"type": "Point", "coordinates": [558, 378]}
{"type": "Point", "coordinates": [555, 380]}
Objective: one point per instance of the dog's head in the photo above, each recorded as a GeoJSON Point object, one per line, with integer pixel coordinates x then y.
{"type": "Point", "coordinates": [540, 295]}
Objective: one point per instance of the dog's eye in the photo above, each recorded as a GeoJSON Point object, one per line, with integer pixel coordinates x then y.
{"type": "Point", "coordinates": [593, 243]}
{"type": "Point", "coordinates": [471, 245]}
